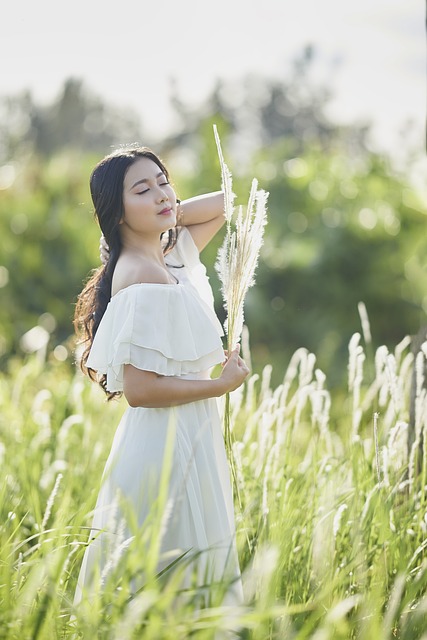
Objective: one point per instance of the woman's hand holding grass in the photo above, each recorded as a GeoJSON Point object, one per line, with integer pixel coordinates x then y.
{"type": "Point", "coordinates": [234, 371]}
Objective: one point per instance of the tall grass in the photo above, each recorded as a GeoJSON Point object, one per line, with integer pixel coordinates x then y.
{"type": "Point", "coordinates": [334, 506]}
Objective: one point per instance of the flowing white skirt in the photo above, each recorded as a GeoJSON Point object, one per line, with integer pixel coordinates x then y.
{"type": "Point", "coordinates": [185, 446]}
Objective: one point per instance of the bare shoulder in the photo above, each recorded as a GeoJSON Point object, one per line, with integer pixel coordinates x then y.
{"type": "Point", "coordinates": [129, 271]}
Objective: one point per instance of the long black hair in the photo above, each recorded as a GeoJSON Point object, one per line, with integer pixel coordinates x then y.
{"type": "Point", "coordinates": [106, 188]}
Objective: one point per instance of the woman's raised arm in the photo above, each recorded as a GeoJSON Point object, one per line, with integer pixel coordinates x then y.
{"type": "Point", "coordinates": [203, 215]}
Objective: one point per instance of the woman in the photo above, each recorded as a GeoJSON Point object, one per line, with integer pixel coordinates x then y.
{"type": "Point", "coordinates": [147, 321]}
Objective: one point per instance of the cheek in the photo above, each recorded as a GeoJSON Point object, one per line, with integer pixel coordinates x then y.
{"type": "Point", "coordinates": [172, 194]}
{"type": "Point", "coordinates": [132, 207]}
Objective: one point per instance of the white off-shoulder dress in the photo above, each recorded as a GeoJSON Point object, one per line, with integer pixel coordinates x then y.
{"type": "Point", "coordinates": [173, 331]}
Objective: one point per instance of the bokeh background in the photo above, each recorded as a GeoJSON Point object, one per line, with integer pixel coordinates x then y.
{"type": "Point", "coordinates": [322, 102]}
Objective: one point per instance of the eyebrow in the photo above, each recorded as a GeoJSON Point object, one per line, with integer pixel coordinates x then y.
{"type": "Point", "coordinates": [161, 173]}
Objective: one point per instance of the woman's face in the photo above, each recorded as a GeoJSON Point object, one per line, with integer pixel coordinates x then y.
{"type": "Point", "coordinates": [148, 199]}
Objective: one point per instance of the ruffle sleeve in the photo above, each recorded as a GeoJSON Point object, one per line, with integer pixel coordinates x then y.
{"type": "Point", "coordinates": [155, 327]}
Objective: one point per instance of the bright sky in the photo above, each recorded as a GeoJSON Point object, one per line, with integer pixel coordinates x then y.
{"type": "Point", "coordinates": [371, 53]}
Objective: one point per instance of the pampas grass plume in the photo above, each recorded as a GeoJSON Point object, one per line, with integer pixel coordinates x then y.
{"type": "Point", "coordinates": [237, 258]}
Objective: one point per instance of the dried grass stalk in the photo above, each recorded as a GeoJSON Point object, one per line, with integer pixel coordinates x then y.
{"type": "Point", "coordinates": [237, 258]}
{"type": "Point", "coordinates": [236, 264]}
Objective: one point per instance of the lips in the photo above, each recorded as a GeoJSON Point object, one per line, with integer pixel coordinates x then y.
{"type": "Point", "coordinates": [165, 212]}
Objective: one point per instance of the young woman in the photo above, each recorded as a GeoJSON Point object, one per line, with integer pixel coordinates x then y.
{"type": "Point", "coordinates": [149, 328]}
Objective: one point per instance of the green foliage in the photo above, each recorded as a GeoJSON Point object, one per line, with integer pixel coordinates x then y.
{"type": "Point", "coordinates": [335, 516]}
{"type": "Point", "coordinates": [50, 245]}
{"type": "Point", "coordinates": [343, 227]}
{"type": "Point", "coordinates": [341, 231]}
{"type": "Point", "coordinates": [334, 512]}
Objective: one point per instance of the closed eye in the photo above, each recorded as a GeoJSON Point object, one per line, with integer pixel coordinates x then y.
{"type": "Point", "coordinates": [161, 184]}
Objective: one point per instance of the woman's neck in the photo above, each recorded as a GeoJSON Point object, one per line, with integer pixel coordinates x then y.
{"type": "Point", "coordinates": [149, 248]}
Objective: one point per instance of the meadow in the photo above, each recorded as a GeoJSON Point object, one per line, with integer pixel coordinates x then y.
{"type": "Point", "coordinates": [331, 529]}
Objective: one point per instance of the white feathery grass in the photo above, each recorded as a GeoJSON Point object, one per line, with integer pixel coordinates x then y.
{"type": "Point", "coordinates": [237, 258]}
{"type": "Point", "coordinates": [116, 551]}
{"type": "Point", "coordinates": [377, 453]}
{"type": "Point", "coordinates": [364, 319]}
{"type": "Point", "coordinates": [226, 181]}
{"type": "Point", "coordinates": [397, 445]}
{"type": "Point", "coordinates": [395, 392]}
{"type": "Point", "coordinates": [51, 501]}
{"type": "Point", "coordinates": [355, 379]}
{"type": "Point", "coordinates": [246, 352]}
{"type": "Point", "coordinates": [420, 431]}
{"type": "Point", "coordinates": [385, 466]}
{"type": "Point", "coordinates": [353, 351]}
{"type": "Point", "coordinates": [236, 263]}
{"type": "Point", "coordinates": [337, 519]}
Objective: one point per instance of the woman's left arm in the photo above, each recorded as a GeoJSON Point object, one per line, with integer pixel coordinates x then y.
{"type": "Point", "coordinates": [203, 215]}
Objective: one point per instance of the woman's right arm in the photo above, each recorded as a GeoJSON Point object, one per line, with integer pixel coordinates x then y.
{"type": "Point", "coordinates": [148, 389]}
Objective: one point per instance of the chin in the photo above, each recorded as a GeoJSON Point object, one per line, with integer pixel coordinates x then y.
{"type": "Point", "coordinates": [171, 223]}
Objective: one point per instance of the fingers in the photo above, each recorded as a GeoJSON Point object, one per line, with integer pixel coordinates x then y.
{"type": "Point", "coordinates": [235, 352]}
{"type": "Point", "coordinates": [241, 363]}
{"type": "Point", "coordinates": [233, 358]}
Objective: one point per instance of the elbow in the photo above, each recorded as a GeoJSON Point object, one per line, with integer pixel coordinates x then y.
{"type": "Point", "coordinates": [135, 396]}
{"type": "Point", "coordinates": [144, 389]}
{"type": "Point", "coordinates": [132, 400]}
{"type": "Point", "coordinates": [138, 387]}
{"type": "Point", "coordinates": [137, 399]}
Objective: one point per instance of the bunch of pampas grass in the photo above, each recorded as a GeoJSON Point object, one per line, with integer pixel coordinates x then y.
{"type": "Point", "coordinates": [236, 264]}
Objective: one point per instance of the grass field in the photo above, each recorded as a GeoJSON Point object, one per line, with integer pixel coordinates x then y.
{"type": "Point", "coordinates": [332, 534]}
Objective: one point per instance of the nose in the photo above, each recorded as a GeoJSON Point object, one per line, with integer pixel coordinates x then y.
{"type": "Point", "coordinates": [162, 195]}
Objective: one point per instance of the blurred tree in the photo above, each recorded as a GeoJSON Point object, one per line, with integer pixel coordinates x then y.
{"type": "Point", "coordinates": [49, 246]}
{"type": "Point", "coordinates": [259, 111]}
{"type": "Point", "coordinates": [341, 231]}
{"type": "Point", "coordinates": [75, 120]}
{"type": "Point", "coordinates": [343, 227]}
